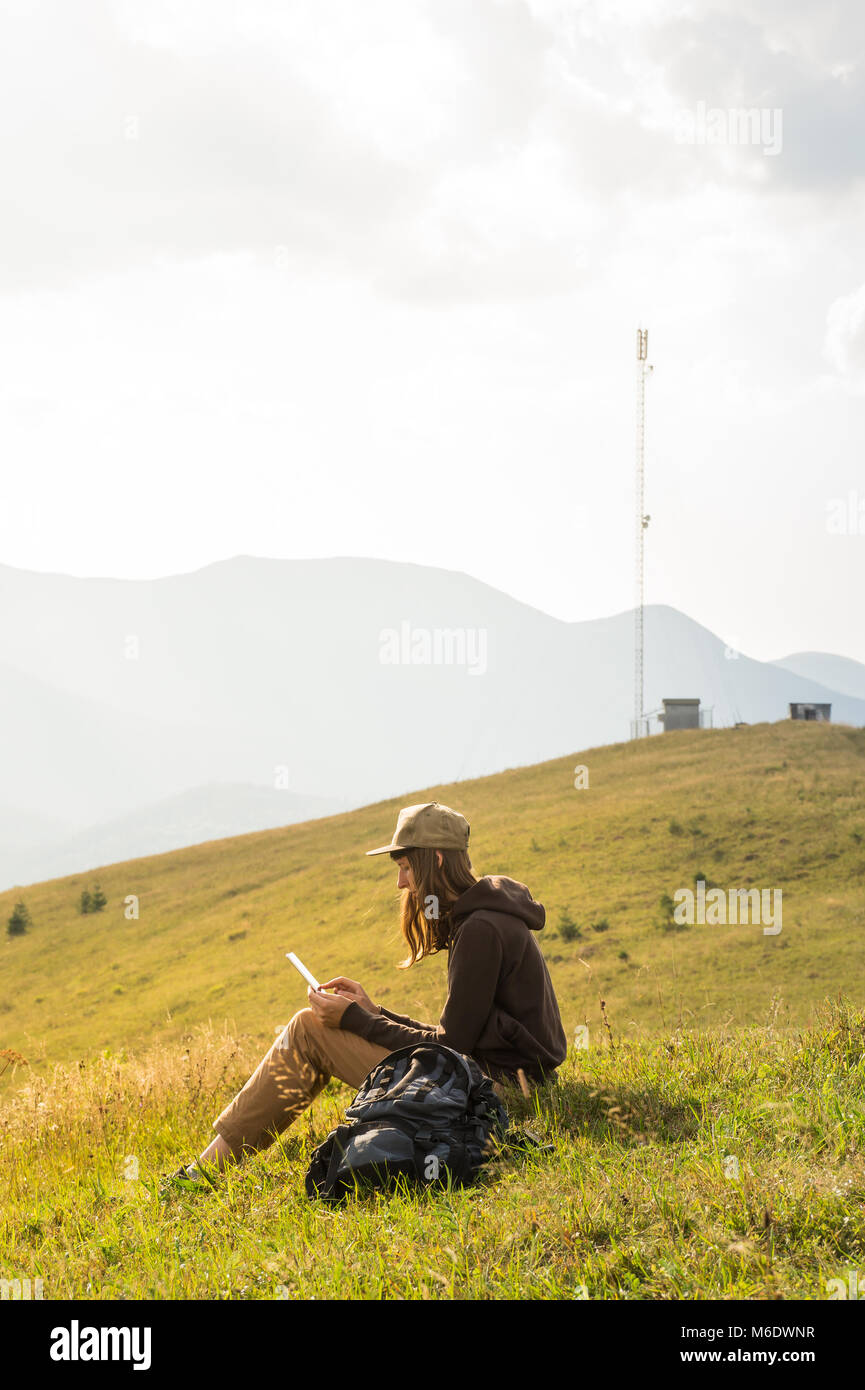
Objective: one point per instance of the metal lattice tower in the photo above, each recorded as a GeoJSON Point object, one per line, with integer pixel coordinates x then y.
{"type": "Point", "coordinates": [643, 369]}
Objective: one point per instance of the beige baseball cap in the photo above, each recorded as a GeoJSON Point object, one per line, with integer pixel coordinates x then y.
{"type": "Point", "coordinates": [430, 826]}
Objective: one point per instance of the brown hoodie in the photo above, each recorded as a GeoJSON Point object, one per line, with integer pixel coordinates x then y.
{"type": "Point", "coordinates": [501, 1008]}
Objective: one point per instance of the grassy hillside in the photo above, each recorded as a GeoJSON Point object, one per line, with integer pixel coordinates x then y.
{"type": "Point", "coordinates": [777, 806]}
{"type": "Point", "coordinates": [709, 1144]}
{"type": "Point", "coordinates": [700, 1166]}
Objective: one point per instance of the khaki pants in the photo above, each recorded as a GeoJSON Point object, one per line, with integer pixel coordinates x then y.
{"type": "Point", "coordinates": [289, 1077]}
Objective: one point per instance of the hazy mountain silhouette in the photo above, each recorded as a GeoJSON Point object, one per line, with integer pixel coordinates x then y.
{"type": "Point", "coordinates": [321, 679]}
{"type": "Point", "coordinates": [204, 813]}
{"type": "Point", "coordinates": [834, 672]}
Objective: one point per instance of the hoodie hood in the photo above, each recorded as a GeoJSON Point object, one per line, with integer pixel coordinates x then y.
{"type": "Point", "coordinates": [496, 894]}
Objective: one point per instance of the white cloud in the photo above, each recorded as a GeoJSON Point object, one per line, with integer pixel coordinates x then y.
{"type": "Point", "coordinates": [354, 248]}
{"type": "Point", "coordinates": [429, 147]}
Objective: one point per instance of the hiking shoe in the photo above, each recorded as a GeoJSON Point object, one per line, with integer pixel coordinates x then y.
{"type": "Point", "coordinates": [182, 1181]}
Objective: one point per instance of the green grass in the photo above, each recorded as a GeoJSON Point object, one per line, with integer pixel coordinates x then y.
{"type": "Point", "coordinates": [639, 1199]}
{"type": "Point", "coordinates": [772, 806]}
{"type": "Point", "coordinates": [716, 1045]}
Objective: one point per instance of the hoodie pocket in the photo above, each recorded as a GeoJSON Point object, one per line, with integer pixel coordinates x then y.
{"type": "Point", "coordinates": [501, 1030]}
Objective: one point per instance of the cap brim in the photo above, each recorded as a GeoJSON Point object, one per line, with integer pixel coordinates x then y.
{"type": "Point", "coordinates": [385, 849]}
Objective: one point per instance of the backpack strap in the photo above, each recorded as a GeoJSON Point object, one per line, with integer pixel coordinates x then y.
{"type": "Point", "coordinates": [524, 1141]}
{"type": "Point", "coordinates": [337, 1154]}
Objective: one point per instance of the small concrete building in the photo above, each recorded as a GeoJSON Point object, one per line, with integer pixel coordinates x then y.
{"type": "Point", "coordinates": [822, 713]}
{"type": "Point", "coordinates": [680, 714]}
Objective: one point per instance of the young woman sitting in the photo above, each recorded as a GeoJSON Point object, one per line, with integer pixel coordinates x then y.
{"type": "Point", "coordinates": [501, 1008]}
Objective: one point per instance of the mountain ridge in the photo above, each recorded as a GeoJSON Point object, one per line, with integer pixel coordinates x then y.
{"type": "Point", "coordinates": [272, 673]}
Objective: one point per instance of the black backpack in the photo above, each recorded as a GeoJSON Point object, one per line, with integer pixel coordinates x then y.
{"type": "Point", "coordinates": [426, 1112]}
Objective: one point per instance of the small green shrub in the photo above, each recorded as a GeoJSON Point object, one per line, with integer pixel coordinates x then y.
{"type": "Point", "coordinates": [568, 928]}
{"type": "Point", "coordinates": [20, 921]}
{"type": "Point", "coordinates": [92, 900]}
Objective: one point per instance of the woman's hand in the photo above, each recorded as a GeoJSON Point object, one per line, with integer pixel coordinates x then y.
{"type": "Point", "coordinates": [328, 1008]}
{"type": "Point", "coordinates": [352, 991]}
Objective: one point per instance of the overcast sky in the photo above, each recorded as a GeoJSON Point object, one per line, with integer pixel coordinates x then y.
{"type": "Point", "coordinates": [363, 277]}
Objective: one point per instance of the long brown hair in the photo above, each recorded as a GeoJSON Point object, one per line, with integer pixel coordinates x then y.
{"type": "Point", "coordinates": [425, 914]}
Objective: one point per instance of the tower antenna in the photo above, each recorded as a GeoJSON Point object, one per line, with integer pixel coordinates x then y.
{"type": "Point", "coordinates": [639, 726]}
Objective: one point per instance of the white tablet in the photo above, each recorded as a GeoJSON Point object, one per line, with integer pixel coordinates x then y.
{"type": "Point", "coordinates": [307, 974]}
